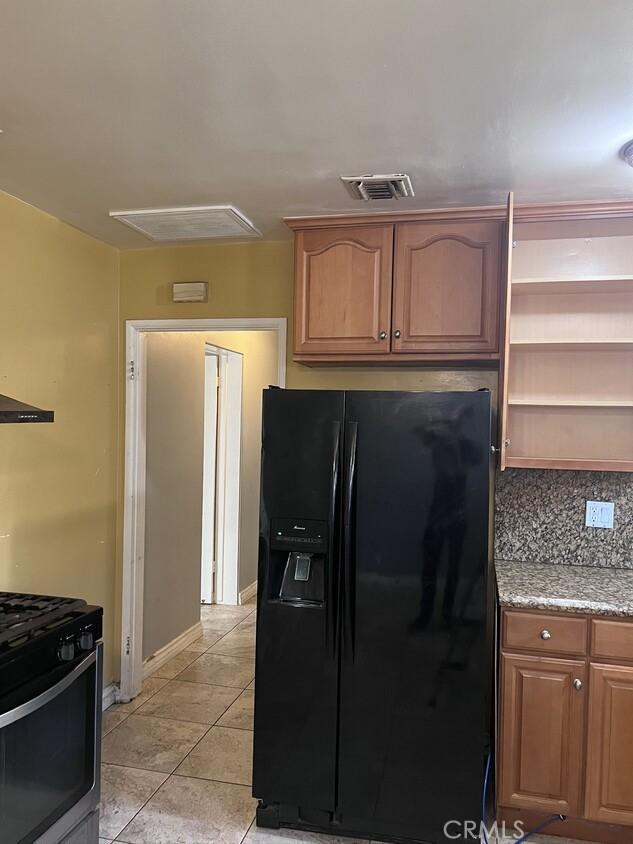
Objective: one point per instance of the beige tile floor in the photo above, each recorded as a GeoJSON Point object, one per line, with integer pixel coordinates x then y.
{"type": "Point", "coordinates": [177, 760]}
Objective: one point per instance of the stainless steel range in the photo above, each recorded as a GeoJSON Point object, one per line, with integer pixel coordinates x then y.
{"type": "Point", "coordinates": [50, 719]}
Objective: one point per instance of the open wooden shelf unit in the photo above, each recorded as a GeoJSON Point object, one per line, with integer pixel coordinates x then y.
{"type": "Point", "coordinates": [570, 362]}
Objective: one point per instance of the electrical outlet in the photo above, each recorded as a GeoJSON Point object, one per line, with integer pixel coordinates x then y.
{"type": "Point", "coordinates": [599, 514]}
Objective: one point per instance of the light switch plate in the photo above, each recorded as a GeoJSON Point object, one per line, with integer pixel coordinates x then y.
{"type": "Point", "coordinates": [599, 514]}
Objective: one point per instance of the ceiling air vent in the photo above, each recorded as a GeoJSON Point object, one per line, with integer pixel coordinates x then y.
{"type": "Point", "coordinates": [393, 186]}
{"type": "Point", "coordinates": [199, 223]}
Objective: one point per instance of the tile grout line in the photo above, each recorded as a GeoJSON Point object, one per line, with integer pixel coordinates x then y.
{"type": "Point", "coordinates": [197, 681]}
{"type": "Point", "coordinates": [201, 683]}
{"type": "Point", "coordinates": [166, 780]}
{"type": "Point", "coordinates": [219, 639]}
{"type": "Point", "coordinates": [208, 779]}
{"type": "Point", "coordinates": [198, 742]}
{"type": "Point", "coordinates": [134, 768]}
{"type": "Point", "coordinates": [144, 804]}
{"type": "Point", "coordinates": [188, 720]}
{"type": "Point", "coordinates": [175, 677]}
{"type": "Point", "coordinates": [169, 775]}
{"type": "Point", "coordinates": [211, 726]}
{"type": "Point", "coordinates": [132, 711]}
{"type": "Point", "coordinates": [250, 826]}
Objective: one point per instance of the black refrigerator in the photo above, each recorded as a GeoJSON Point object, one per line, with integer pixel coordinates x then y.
{"type": "Point", "coordinates": [375, 616]}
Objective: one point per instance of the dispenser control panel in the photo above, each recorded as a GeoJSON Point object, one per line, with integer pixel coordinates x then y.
{"type": "Point", "coordinates": [299, 535]}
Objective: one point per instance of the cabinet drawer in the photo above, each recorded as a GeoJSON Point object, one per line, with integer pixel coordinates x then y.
{"type": "Point", "coordinates": [612, 639]}
{"type": "Point", "coordinates": [547, 633]}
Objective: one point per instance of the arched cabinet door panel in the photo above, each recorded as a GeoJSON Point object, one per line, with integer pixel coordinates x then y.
{"type": "Point", "coordinates": [446, 287]}
{"type": "Point", "coordinates": [542, 734]}
{"type": "Point", "coordinates": [609, 789]}
{"type": "Point", "coordinates": [343, 290]}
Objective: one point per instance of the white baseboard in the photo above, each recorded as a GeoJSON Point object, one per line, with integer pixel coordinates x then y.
{"type": "Point", "coordinates": [248, 593]}
{"type": "Point", "coordinates": [153, 663]}
{"type": "Point", "coordinates": [109, 695]}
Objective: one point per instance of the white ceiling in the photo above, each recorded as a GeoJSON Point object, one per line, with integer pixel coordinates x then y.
{"type": "Point", "coordinates": [111, 104]}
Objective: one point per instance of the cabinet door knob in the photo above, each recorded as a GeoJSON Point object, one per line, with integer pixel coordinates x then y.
{"type": "Point", "coordinates": [396, 333]}
{"type": "Point", "coordinates": [383, 335]}
{"type": "Point", "coordinates": [545, 634]}
{"type": "Point", "coordinates": [578, 685]}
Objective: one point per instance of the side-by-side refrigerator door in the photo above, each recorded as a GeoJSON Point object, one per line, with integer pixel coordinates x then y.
{"type": "Point", "coordinates": [415, 668]}
{"type": "Point", "coordinates": [296, 682]}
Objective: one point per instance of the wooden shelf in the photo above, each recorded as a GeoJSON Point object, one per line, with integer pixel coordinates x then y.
{"type": "Point", "coordinates": [571, 432]}
{"type": "Point", "coordinates": [557, 285]}
{"type": "Point", "coordinates": [568, 463]}
{"type": "Point", "coordinates": [547, 402]}
{"type": "Point", "coordinates": [581, 343]}
{"type": "Point", "coordinates": [569, 395]}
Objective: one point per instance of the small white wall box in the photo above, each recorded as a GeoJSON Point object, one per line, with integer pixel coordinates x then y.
{"type": "Point", "coordinates": [599, 514]}
{"type": "Point", "coordinates": [190, 291]}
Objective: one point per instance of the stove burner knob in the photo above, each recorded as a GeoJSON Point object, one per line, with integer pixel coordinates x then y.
{"type": "Point", "coordinates": [66, 650]}
{"type": "Point", "coordinates": [86, 640]}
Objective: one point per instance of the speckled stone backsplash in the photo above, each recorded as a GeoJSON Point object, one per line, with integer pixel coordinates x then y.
{"type": "Point", "coordinates": [540, 517]}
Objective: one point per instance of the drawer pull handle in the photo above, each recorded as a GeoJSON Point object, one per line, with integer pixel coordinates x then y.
{"type": "Point", "coordinates": [545, 634]}
{"type": "Point", "coordinates": [578, 685]}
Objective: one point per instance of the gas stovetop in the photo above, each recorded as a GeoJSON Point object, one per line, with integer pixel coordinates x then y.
{"type": "Point", "coordinates": [39, 633]}
{"type": "Point", "coordinates": [22, 614]}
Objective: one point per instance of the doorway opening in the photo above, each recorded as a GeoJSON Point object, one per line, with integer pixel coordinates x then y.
{"type": "Point", "coordinates": [225, 516]}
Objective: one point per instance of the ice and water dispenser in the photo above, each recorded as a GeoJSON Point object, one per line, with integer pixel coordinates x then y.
{"type": "Point", "coordinates": [297, 561]}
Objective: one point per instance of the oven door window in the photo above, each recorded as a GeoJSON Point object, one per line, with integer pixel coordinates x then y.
{"type": "Point", "coordinates": [47, 756]}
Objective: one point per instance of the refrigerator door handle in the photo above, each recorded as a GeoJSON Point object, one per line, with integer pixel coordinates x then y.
{"type": "Point", "coordinates": [333, 545]}
{"type": "Point", "coordinates": [349, 563]}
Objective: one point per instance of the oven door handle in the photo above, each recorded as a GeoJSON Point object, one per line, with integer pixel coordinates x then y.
{"type": "Point", "coordinates": [41, 700]}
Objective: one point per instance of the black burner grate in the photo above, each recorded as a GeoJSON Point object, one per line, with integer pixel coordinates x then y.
{"type": "Point", "coordinates": [22, 614]}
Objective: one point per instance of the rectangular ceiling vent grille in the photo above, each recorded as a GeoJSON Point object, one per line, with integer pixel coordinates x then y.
{"type": "Point", "coordinates": [393, 186]}
{"type": "Point", "coordinates": [199, 223]}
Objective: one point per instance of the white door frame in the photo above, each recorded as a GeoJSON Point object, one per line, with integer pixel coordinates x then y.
{"type": "Point", "coordinates": [210, 486]}
{"type": "Point", "coordinates": [221, 491]}
{"type": "Point", "coordinates": [134, 494]}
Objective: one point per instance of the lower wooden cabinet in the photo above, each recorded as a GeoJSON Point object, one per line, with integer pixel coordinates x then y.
{"type": "Point", "coordinates": [609, 791]}
{"type": "Point", "coordinates": [542, 733]}
{"type": "Point", "coordinates": [565, 742]}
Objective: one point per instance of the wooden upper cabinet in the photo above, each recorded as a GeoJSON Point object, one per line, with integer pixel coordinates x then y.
{"type": "Point", "coordinates": [542, 734]}
{"type": "Point", "coordinates": [343, 290]}
{"type": "Point", "coordinates": [446, 287]}
{"type": "Point", "coordinates": [609, 791]}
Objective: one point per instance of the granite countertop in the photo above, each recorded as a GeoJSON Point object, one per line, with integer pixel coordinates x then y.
{"type": "Point", "coordinates": [581, 589]}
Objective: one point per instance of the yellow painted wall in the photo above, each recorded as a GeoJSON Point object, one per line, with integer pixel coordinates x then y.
{"type": "Point", "coordinates": [58, 350]}
{"type": "Point", "coordinates": [255, 280]}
